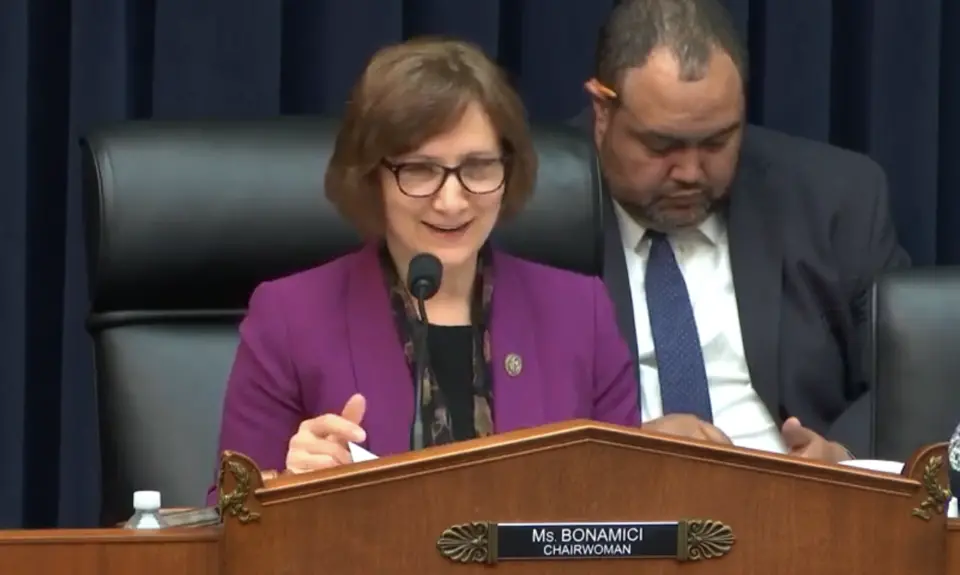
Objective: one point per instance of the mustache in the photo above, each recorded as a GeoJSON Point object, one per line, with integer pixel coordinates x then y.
{"type": "Point", "coordinates": [713, 200]}
{"type": "Point", "coordinates": [702, 187]}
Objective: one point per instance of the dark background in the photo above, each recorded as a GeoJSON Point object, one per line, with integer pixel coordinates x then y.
{"type": "Point", "coordinates": [871, 75]}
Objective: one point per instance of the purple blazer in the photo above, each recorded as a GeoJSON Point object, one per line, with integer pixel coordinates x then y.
{"type": "Point", "coordinates": [313, 339]}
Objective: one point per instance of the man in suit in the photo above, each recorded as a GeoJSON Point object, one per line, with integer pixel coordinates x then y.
{"type": "Point", "coordinates": [739, 259]}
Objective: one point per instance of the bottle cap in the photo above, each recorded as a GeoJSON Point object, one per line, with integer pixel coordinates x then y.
{"type": "Point", "coordinates": [146, 500]}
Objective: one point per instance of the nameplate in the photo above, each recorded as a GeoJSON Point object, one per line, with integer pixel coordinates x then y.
{"type": "Point", "coordinates": [488, 542]}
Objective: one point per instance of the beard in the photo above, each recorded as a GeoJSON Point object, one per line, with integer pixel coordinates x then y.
{"type": "Point", "coordinates": [671, 206]}
{"type": "Point", "coordinates": [670, 211]}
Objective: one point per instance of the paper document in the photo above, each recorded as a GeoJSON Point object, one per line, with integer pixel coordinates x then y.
{"type": "Point", "coordinates": [359, 454]}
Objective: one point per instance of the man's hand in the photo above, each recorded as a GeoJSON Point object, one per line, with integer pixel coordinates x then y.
{"type": "Point", "coordinates": [806, 443]}
{"type": "Point", "coordinates": [688, 426]}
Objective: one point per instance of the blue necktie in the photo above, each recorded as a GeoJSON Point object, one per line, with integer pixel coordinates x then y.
{"type": "Point", "coordinates": [683, 378]}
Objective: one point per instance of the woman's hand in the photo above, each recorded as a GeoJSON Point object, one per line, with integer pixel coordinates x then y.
{"type": "Point", "coordinates": [321, 442]}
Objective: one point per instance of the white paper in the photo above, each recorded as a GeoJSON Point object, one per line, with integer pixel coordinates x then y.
{"type": "Point", "coordinates": [359, 454]}
{"type": "Point", "coordinates": [882, 465]}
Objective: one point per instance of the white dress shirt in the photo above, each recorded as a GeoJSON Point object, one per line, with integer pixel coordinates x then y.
{"type": "Point", "coordinates": [703, 255]}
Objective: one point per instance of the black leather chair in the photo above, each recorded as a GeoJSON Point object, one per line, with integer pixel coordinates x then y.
{"type": "Point", "coordinates": [916, 359]}
{"type": "Point", "coordinates": [183, 220]}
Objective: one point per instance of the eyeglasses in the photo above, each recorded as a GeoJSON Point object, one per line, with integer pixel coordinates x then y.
{"type": "Point", "coordinates": [423, 179]}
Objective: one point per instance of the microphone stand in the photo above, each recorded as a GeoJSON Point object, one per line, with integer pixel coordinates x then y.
{"type": "Point", "coordinates": [421, 361]}
{"type": "Point", "coordinates": [424, 273]}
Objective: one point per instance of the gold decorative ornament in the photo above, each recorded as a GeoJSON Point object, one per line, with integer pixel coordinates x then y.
{"type": "Point", "coordinates": [937, 495]}
{"type": "Point", "coordinates": [703, 539]}
{"type": "Point", "coordinates": [234, 502]}
{"type": "Point", "coordinates": [469, 542]}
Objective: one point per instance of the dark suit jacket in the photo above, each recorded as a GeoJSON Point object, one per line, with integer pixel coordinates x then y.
{"type": "Point", "coordinates": [809, 230]}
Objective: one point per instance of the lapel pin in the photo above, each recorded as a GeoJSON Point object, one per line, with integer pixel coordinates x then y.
{"type": "Point", "coordinates": [513, 364]}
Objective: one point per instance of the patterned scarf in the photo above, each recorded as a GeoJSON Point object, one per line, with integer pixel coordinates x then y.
{"type": "Point", "coordinates": [433, 405]}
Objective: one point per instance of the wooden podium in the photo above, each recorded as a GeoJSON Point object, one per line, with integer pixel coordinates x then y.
{"type": "Point", "coordinates": [545, 500]}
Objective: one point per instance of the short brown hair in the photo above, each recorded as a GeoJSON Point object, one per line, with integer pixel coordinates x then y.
{"type": "Point", "coordinates": [408, 94]}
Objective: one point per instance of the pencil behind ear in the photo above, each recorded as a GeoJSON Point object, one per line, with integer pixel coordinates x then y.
{"type": "Point", "coordinates": [601, 98]}
{"type": "Point", "coordinates": [599, 92]}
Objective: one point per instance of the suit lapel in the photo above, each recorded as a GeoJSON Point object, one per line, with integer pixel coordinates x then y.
{"type": "Point", "coordinates": [379, 366]}
{"type": "Point", "coordinates": [518, 386]}
{"type": "Point", "coordinates": [616, 279]}
{"type": "Point", "coordinates": [756, 259]}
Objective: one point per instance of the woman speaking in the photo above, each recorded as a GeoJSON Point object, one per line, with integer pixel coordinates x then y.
{"type": "Point", "coordinates": [434, 149]}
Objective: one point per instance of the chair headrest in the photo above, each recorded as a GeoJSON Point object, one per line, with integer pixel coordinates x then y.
{"type": "Point", "coordinates": [193, 215]}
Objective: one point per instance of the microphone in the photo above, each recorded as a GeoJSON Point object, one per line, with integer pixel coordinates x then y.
{"type": "Point", "coordinates": [953, 457]}
{"type": "Point", "coordinates": [423, 281]}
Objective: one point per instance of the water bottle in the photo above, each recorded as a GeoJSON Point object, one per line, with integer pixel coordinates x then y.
{"type": "Point", "coordinates": [146, 515]}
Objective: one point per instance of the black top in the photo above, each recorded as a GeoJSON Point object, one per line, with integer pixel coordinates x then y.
{"type": "Point", "coordinates": [451, 358]}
